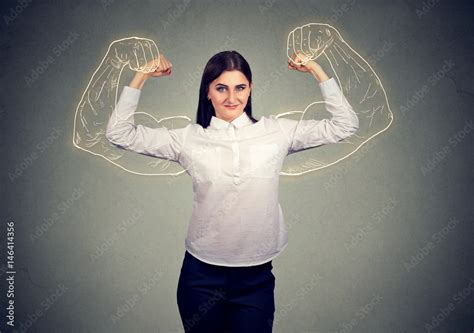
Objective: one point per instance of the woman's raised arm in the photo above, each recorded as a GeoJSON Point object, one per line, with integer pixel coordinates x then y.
{"type": "Point", "coordinates": [122, 130]}
{"type": "Point", "coordinates": [104, 123]}
{"type": "Point", "coordinates": [355, 120]}
{"type": "Point", "coordinates": [310, 133]}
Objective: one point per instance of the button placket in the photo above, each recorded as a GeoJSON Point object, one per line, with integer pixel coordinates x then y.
{"type": "Point", "coordinates": [235, 154]}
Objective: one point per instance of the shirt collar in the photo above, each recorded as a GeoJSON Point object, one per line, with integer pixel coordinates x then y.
{"type": "Point", "coordinates": [240, 121]}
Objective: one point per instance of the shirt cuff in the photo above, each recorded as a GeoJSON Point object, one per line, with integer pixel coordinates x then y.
{"type": "Point", "coordinates": [329, 87]}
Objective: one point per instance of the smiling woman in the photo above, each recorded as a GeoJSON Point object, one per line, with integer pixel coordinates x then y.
{"type": "Point", "coordinates": [237, 225]}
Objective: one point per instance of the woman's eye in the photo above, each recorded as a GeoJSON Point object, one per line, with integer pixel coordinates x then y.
{"type": "Point", "coordinates": [219, 89]}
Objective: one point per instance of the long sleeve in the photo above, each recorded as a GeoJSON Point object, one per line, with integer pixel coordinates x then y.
{"type": "Point", "coordinates": [309, 133]}
{"type": "Point", "coordinates": [122, 131]}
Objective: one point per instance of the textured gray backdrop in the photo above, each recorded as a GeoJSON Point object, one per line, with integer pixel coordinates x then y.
{"type": "Point", "coordinates": [381, 243]}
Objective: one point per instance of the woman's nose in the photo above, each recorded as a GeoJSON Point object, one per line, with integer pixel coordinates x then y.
{"type": "Point", "coordinates": [231, 97]}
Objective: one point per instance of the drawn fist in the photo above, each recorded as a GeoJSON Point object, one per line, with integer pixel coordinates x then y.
{"type": "Point", "coordinates": [140, 54]}
{"type": "Point", "coordinates": [308, 42]}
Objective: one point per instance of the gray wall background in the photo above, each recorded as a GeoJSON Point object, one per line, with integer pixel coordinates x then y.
{"type": "Point", "coordinates": [409, 262]}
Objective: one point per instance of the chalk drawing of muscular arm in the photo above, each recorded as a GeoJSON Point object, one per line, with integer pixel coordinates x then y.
{"type": "Point", "coordinates": [100, 98]}
{"type": "Point", "coordinates": [359, 84]}
{"type": "Point", "coordinates": [353, 74]}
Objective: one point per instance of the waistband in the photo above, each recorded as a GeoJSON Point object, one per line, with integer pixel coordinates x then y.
{"type": "Point", "coordinates": [266, 265]}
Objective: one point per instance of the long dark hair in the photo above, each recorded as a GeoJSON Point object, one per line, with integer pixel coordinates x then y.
{"type": "Point", "coordinates": [220, 62]}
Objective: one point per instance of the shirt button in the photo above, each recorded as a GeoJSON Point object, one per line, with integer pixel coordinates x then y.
{"type": "Point", "coordinates": [231, 131]}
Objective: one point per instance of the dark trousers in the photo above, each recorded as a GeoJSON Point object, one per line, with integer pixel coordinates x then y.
{"type": "Point", "coordinates": [218, 299]}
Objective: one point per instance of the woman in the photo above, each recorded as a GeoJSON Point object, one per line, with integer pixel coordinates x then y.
{"type": "Point", "coordinates": [236, 228]}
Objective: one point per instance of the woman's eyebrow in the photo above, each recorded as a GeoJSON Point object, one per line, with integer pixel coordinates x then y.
{"type": "Point", "coordinates": [221, 84]}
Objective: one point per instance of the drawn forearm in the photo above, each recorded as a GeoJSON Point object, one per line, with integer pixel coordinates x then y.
{"type": "Point", "coordinates": [104, 85]}
{"type": "Point", "coordinates": [97, 103]}
{"type": "Point", "coordinates": [359, 82]}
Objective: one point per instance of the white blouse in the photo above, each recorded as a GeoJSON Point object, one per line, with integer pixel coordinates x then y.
{"type": "Point", "coordinates": [235, 166]}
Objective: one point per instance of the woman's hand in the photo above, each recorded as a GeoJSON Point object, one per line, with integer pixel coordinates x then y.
{"type": "Point", "coordinates": [155, 70]}
{"type": "Point", "coordinates": [302, 63]}
{"type": "Point", "coordinates": [164, 67]}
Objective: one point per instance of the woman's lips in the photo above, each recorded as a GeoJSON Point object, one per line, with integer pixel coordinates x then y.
{"type": "Point", "coordinates": [232, 107]}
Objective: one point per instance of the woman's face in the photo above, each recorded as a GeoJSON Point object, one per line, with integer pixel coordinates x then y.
{"type": "Point", "coordinates": [231, 88]}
